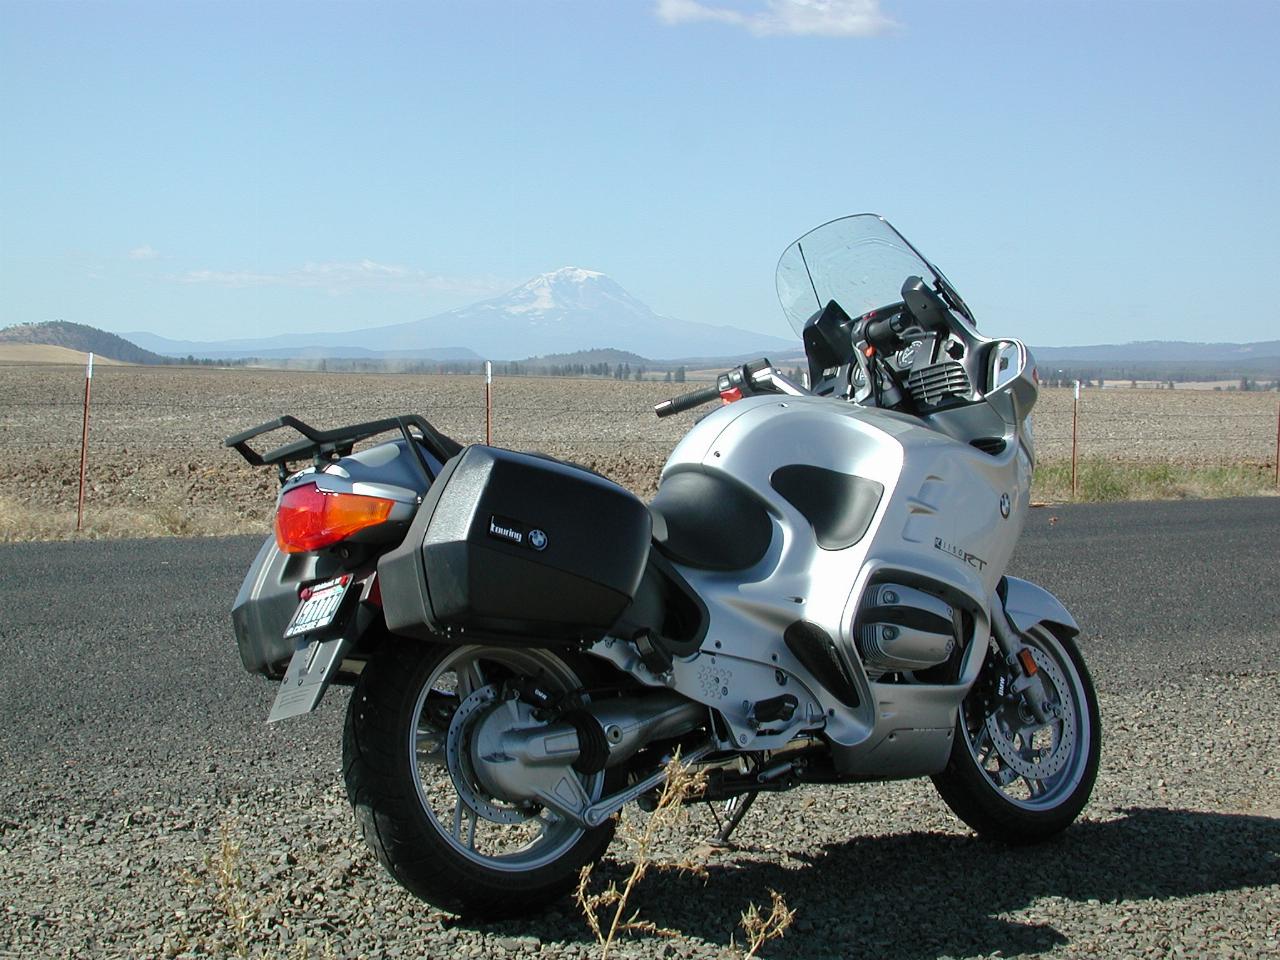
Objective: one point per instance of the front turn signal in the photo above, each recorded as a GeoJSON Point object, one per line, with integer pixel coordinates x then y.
{"type": "Point", "coordinates": [309, 518]}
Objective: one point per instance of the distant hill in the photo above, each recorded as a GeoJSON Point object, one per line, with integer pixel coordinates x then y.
{"type": "Point", "coordinates": [1161, 360]}
{"type": "Point", "coordinates": [78, 336]}
{"type": "Point", "coordinates": [1162, 351]}
{"type": "Point", "coordinates": [564, 311]}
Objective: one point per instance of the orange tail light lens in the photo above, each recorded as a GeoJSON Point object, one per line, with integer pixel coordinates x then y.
{"type": "Point", "coordinates": [309, 518]}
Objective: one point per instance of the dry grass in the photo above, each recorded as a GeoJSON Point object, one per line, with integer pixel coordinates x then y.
{"type": "Point", "coordinates": [220, 882]}
{"type": "Point", "coordinates": [761, 928]}
{"type": "Point", "coordinates": [157, 466]}
{"type": "Point", "coordinates": [1102, 480]}
{"type": "Point", "coordinates": [21, 521]}
{"type": "Point", "coordinates": [48, 353]}
{"type": "Point", "coordinates": [608, 912]}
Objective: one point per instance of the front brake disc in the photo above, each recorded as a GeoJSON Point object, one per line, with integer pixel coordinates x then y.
{"type": "Point", "coordinates": [1030, 762]}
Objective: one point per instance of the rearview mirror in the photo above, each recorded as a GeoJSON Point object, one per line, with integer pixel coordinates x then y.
{"type": "Point", "coordinates": [1007, 359]}
{"type": "Point", "coordinates": [1011, 381]}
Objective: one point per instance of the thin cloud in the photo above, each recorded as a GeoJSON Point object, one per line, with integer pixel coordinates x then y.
{"type": "Point", "coordinates": [144, 252]}
{"type": "Point", "coordinates": [338, 277]}
{"type": "Point", "coordinates": [824, 18]}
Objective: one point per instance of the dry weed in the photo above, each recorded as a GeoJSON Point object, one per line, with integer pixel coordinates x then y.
{"type": "Point", "coordinates": [220, 880]}
{"type": "Point", "coordinates": [760, 929]}
{"type": "Point", "coordinates": [681, 785]}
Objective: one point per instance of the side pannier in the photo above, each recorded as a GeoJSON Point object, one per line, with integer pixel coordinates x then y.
{"type": "Point", "coordinates": [517, 548]}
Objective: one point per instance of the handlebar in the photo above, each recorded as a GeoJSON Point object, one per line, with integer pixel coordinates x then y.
{"type": "Point", "coordinates": [758, 376]}
{"type": "Point", "coordinates": [687, 401]}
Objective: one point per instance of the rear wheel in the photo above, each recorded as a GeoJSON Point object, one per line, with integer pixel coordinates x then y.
{"type": "Point", "coordinates": [422, 810]}
{"type": "Point", "coordinates": [1010, 777]}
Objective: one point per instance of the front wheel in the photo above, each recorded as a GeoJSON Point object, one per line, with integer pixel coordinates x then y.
{"type": "Point", "coordinates": [421, 808]}
{"type": "Point", "coordinates": [1010, 777]}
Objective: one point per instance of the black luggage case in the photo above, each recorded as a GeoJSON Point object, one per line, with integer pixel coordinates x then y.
{"type": "Point", "coordinates": [516, 548]}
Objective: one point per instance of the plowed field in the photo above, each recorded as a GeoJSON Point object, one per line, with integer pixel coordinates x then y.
{"type": "Point", "coordinates": [157, 466]}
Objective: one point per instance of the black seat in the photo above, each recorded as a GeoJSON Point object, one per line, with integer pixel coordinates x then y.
{"type": "Point", "coordinates": [705, 520]}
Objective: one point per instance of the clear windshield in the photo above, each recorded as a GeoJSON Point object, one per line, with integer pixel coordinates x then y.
{"type": "Point", "coordinates": [859, 262]}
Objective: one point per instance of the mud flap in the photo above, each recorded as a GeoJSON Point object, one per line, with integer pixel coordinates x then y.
{"type": "Point", "coordinates": [312, 667]}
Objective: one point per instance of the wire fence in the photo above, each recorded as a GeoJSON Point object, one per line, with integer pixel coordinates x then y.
{"type": "Point", "coordinates": [172, 422]}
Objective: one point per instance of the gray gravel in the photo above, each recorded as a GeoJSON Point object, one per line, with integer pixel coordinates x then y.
{"type": "Point", "coordinates": [133, 751]}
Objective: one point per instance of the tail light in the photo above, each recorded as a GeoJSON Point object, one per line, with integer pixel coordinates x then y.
{"type": "Point", "coordinates": [309, 518]}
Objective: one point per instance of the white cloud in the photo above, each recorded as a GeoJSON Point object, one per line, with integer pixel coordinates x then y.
{"type": "Point", "coordinates": [827, 18]}
{"type": "Point", "coordinates": [338, 277]}
{"type": "Point", "coordinates": [144, 252]}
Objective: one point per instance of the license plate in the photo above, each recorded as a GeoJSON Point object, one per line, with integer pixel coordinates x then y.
{"type": "Point", "coordinates": [319, 608]}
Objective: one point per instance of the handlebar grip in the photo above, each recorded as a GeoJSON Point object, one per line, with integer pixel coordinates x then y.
{"type": "Point", "coordinates": [687, 401]}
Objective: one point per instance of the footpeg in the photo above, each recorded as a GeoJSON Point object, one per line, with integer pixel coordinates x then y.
{"type": "Point", "coordinates": [778, 709]}
{"type": "Point", "coordinates": [652, 652]}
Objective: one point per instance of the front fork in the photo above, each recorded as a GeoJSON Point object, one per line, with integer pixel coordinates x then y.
{"type": "Point", "coordinates": [1018, 656]}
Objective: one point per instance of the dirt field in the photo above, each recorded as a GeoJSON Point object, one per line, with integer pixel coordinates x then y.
{"type": "Point", "coordinates": [157, 466]}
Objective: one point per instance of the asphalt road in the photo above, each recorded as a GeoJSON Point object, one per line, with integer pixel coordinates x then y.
{"type": "Point", "coordinates": [122, 693]}
{"type": "Point", "coordinates": [1157, 587]}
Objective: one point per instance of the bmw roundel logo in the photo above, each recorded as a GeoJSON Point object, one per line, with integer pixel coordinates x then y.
{"type": "Point", "coordinates": [1005, 507]}
{"type": "Point", "coordinates": [537, 539]}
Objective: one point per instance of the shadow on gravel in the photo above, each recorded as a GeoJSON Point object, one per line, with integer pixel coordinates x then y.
{"type": "Point", "coordinates": [928, 895]}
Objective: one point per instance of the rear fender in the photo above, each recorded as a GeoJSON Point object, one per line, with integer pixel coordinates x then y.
{"type": "Point", "coordinates": [266, 601]}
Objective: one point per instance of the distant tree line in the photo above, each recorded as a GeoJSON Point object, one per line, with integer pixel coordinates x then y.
{"type": "Point", "coordinates": [193, 361]}
{"type": "Point", "coordinates": [1165, 373]}
{"type": "Point", "coordinates": [1248, 385]}
{"type": "Point", "coordinates": [505, 368]}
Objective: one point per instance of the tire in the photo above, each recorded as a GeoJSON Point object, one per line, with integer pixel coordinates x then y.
{"type": "Point", "coordinates": [984, 782]}
{"type": "Point", "coordinates": [400, 781]}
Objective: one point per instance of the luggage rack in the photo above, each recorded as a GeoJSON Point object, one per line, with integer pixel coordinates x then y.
{"type": "Point", "coordinates": [321, 446]}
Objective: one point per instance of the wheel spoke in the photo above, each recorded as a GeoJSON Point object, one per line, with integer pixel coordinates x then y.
{"type": "Point", "coordinates": [458, 807]}
{"type": "Point", "coordinates": [983, 739]}
{"type": "Point", "coordinates": [474, 676]}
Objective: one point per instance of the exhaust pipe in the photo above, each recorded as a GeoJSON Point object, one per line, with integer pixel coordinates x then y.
{"type": "Point", "coordinates": [510, 748]}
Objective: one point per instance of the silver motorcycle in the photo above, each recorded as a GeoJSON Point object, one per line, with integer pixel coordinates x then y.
{"type": "Point", "coordinates": [816, 595]}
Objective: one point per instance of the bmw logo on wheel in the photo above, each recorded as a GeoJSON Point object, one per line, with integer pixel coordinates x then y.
{"type": "Point", "coordinates": [537, 539]}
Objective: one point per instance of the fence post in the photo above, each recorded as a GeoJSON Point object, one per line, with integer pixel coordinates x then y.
{"type": "Point", "coordinates": [488, 403]}
{"type": "Point", "coordinates": [1075, 419]}
{"type": "Point", "coordinates": [84, 443]}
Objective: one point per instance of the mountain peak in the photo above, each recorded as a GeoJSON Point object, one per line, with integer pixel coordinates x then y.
{"type": "Point", "coordinates": [569, 281]}
{"type": "Point", "coordinates": [571, 275]}
{"type": "Point", "coordinates": [568, 287]}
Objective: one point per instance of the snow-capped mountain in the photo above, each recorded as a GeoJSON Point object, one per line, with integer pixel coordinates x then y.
{"type": "Point", "coordinates": [563, 311]}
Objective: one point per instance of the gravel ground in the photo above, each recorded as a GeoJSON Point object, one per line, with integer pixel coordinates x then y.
{"type": "Point", "coordinates": [123, 792]}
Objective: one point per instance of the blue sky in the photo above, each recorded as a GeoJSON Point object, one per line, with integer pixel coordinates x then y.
{"type": "Point", "coordinates": [1083, 171]}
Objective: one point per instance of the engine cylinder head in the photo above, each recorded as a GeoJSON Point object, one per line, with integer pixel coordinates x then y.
{"type": "Point", "coordinates": [903, 629]}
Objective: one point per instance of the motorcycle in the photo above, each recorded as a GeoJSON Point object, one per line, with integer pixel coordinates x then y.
{"type": "Point", "coordinates": [816, 595]}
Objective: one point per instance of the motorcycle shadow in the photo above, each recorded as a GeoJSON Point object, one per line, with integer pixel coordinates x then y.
{"type": "Point", "coordinates": [919, 896]}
